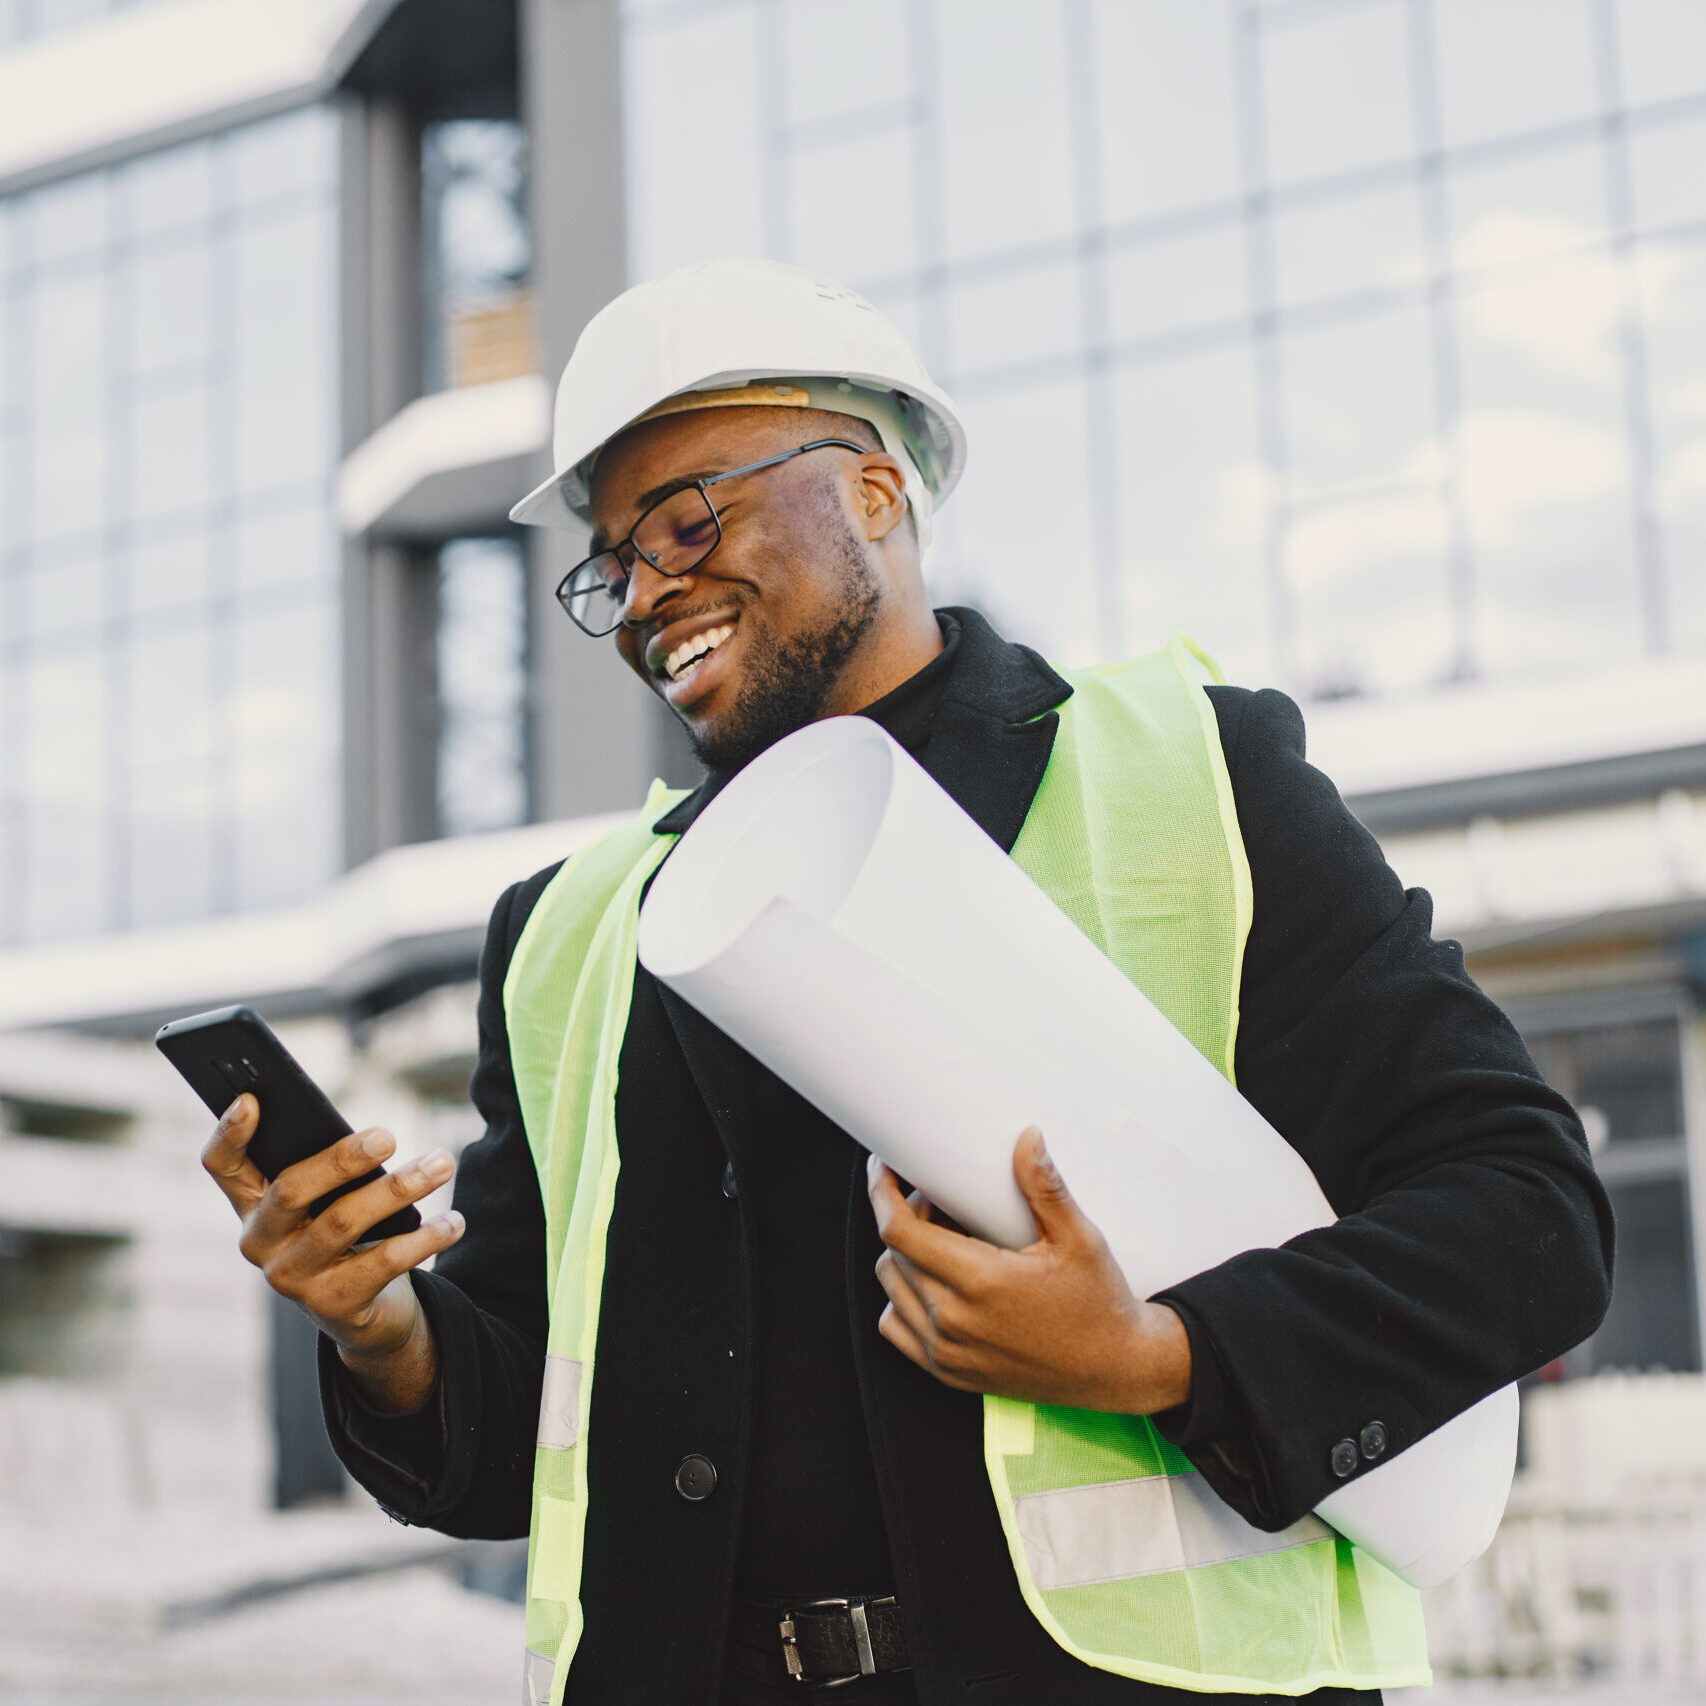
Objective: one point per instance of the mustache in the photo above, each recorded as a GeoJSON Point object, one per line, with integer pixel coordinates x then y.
{"type": "Point", "coordinates": [737, 601]}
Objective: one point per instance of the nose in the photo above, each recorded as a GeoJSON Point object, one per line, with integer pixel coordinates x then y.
{"type": "Point", "coordinates": [648, 588]}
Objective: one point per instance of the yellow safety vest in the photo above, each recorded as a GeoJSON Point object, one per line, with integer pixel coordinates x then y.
{"type": "Point", "coordinates": [1120, 1548]}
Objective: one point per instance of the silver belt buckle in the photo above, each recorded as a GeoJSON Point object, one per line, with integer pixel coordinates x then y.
{"type": "Point", "coordinates": [861, 1642]}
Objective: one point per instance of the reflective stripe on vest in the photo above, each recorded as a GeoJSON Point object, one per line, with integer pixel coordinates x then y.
{"type": "Point", "coordinates": [1121, 1550]}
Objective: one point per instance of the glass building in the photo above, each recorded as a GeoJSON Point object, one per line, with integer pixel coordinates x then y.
{"type": "Point", "coordinates": [1360, 339]}
{"type": "Point", "coordinates": [168, 681]}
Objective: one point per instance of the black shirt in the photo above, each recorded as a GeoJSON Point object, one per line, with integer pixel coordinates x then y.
{"type": "Point", "coordinates": [814, 1524]}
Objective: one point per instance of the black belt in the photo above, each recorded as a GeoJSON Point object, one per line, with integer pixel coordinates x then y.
{"type": "Point", "coordinates": [822, 1643]}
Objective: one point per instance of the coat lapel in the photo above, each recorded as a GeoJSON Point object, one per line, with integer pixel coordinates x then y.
{"type": "Point", "coordinates": [722, 1072]}
{"type": "Point", "coordinates": [995, 729]}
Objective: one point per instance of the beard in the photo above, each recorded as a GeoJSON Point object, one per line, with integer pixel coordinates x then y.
{"type": "Point", "coordinates": [788, 683]}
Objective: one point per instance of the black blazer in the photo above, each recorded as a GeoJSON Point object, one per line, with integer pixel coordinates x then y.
{"type": "Point", "coordinates": [1475, 1247]}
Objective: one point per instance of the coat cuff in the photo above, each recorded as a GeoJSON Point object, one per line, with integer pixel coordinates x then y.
{"type": "Point", "coordinates": [1212, 1427]}
{"type": "Point", "coordinates": [416, 1463]}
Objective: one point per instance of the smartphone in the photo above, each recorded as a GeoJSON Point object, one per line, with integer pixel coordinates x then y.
{"type": "Point", "coordinates": [232, 1049]}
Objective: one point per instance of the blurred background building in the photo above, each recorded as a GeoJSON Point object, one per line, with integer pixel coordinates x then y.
{"type": "Point", "coordinates": [1362, 339]}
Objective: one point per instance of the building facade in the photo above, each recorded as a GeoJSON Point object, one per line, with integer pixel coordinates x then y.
{"type": "Point", "coordinates": [1359, 338]}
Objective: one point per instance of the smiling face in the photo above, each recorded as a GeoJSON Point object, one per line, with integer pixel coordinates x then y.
{"type": "Point", "coordinates": [811, 606]}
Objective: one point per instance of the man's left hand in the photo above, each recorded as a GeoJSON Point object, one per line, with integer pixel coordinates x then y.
{"type": "Point", "coordinates": [1054, 1322]}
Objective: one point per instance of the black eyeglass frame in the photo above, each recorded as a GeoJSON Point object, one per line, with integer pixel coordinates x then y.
{"type": "Point", "coordinates": [566, 588]}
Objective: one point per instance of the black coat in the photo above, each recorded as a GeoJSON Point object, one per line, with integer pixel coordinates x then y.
{"type": "Point", "coordinates": [1475, 1247]}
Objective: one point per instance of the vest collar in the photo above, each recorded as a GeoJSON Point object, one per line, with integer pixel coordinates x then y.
{"type": "Point", "coordinates": [992, 738]}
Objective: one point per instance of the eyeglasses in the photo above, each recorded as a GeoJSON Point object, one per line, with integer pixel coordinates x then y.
{"type": "Point", "coordinates": [676, 534]}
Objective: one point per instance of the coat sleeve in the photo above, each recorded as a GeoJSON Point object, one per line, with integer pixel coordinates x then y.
{"type": "Point", "coordinates": [1475, 1240]}
{"type": "Point", "coordinates": [463, 1462]}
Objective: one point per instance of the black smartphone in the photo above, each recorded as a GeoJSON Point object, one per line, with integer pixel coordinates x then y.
{"type": "Point", "coordinates": [232, 1049]}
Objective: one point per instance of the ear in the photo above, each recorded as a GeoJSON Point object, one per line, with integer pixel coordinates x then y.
{"type": "Point", "coordinates": [879, 495]}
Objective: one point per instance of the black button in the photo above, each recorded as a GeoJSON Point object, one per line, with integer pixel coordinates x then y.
{"type": "Point", "coordinates": [730, 1188]}
{"type": "Point", "coordinates": [1343, 1459]}
{"type": "Point", "coordinates": [1373, 1440]}
{"type": "Point", "coordinates": [696, 1477]}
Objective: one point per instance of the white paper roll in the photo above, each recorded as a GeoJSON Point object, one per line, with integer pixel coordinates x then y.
{"type": "Point", "coordinates": [844, 921]}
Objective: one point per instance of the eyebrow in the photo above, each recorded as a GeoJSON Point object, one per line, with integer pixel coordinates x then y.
{"type": "Point", "coordinates": [600, 540]}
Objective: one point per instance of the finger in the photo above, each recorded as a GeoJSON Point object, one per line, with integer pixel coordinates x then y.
{"type": "Point", "coordinates": [350, 1220]}
{"type": "Point", "coordinates": [225, 1156]}
{"type": "Point", "coordinates": [959, 1261]}
{"type": "Point", "coordinates": [343, 1292]}
{"type": "Point", "coordinates": [900, 1333]}
{"type": "Point", "coordinates": [894, 1328]}
{"type": "Point", "coordinates": [1053, 1207]}
{"type": "Point", "coordinates": [290, 1196]}
{"type": "Point", "coordinates": [907, 1294]}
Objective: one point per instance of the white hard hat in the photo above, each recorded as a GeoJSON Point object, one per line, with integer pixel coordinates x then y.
{"type": "Point", "coordinates": [723, 333]}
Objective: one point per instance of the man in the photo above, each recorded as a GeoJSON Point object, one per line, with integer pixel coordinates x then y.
{"type": "Point", "coordinates": [777, 1471]}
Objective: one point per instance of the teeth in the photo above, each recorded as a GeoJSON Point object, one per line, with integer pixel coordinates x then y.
{"type": "Point", "coordinates": [690, 651]}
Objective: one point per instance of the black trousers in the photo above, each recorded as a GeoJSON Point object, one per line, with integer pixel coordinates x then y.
{"type": "Point", "coordinates": [894, 1689]}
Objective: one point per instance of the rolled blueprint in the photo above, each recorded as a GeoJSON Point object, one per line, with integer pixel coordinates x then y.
{"type": "Point", "coordinates": [844, 921]}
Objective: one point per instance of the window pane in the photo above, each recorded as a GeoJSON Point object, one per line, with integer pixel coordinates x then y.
{"type": "Point", "coordinates": [1165, 105]}
{"type": "Point", "coordinates": [68, 390]}
{"type": "Point", "coordinates": [1549, 331]}
{"type": "Point", "coordinates": [1027, 561]}
{"type": "Point", "coordinates": [475, 191]}
{"type": "Point", "coordinates": [1545, 468]}
{"type": "Point", "coordinates": [65, 849]}
{"type": "Point", "coordinates": [1670, 188]}
{"type": "Point", "coordinates": [1529, 209]}
{"type": "Point", "coordinates": [839, 63]}
{"type": "Point", "coordinates": [171, 842]}
{"type": "Point", "coordinates": [171, 568]}
{"type": "Point", "coordinates": [1364, 242]}
{"type": "Point", "coordinates": [1651, 1323]}
{"type": "Point", "coordinates": [696, 166]}
{"type": "Point", "coordinates": [828, 185]}
{"type": "Point", "coordinates": [1006, 183]}
{"type": "Point", "coordinates": [1372, 590]}
{"type": "Point", "coordinates": [171, 189]}
{"type": "Point", "coordinates": [1193, 508]}
{"type": "Point", "coordinates": [1662, 46]}
{"type": "Point", "coordinates": [1507, 66]}
{"type": "Point", "coordinates": [172, 692]}
{"type": "Point", "coordinates": [171, 451]}
{"type": "Point", "coordinates": [477, 245]}
{"type": "Point", "coordinates": [65, 590]}
{"type": "Point", "coordinates": [285, 333]}
{"type": "Point", "coordinates": [285, 156]}
{"type": "Point", "coordinates": [482, 686]}
{"type": "Point", "coordinates": [8, 316]}
{"type": "Point", "coordinates": [283, 719]}
{"type": "Point", "coordinates": [1336, 92]}
{"type": "Point", "coordinates": [68, 219]}
{"type": "Point", "coordinates": [11, 521]}
{"type": "Point", "coordinates": [1359, 401]}
{"type": "Point", "coordinates": [172, 307]}
{"type": "Point", "coordinates": [1178, 283]}
{"type": "Point", "coordinates": [1633, 1075]}
{"type": "Point", "coordinates": [1673, 284]}
{"type": "Point", "coordinates": [1028, 316]}
{"type": "Point", "coordinates": [294, 546]}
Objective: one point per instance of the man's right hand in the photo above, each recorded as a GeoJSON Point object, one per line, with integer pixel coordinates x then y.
{"type": "Point", "coordinates": [360, 1298]}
